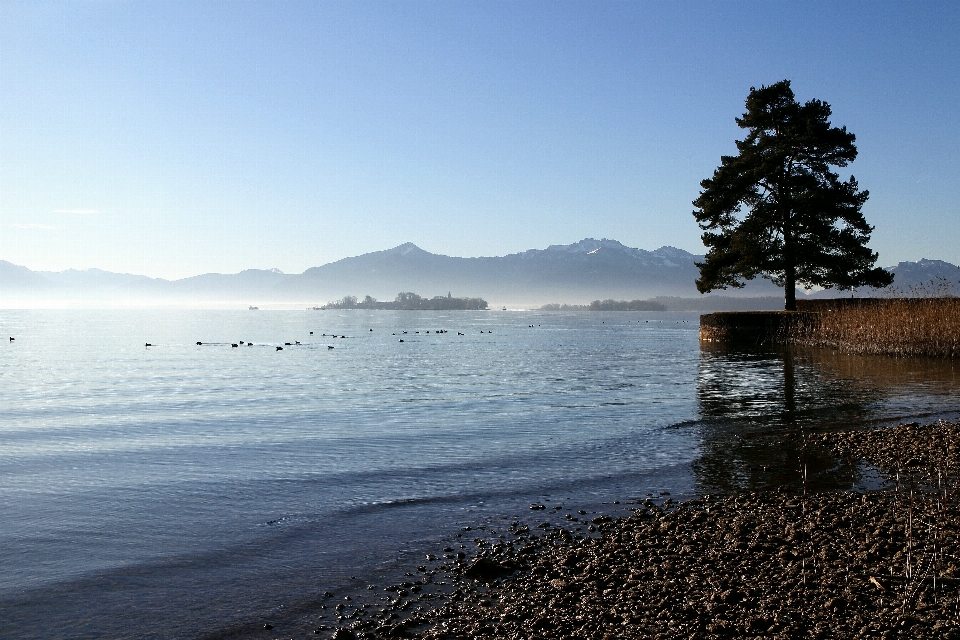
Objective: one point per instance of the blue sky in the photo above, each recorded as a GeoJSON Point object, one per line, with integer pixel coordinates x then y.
{"type": "Point", "coordinates": [171, 139]}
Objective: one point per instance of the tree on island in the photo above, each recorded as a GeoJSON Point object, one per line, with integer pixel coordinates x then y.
{"type": "Point", "coordinates": [802, 224]}
{"type": "Point", "coordinates": [407, 301]}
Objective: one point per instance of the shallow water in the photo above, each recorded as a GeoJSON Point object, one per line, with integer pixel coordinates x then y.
{"type": "Point", "coordinates": [178, 489]}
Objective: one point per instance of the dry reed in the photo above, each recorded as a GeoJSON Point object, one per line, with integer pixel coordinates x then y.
{"type": "Point", "coordinates": [927, 323]}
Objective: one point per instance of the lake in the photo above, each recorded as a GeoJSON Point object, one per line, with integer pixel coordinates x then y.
{"type": "Point", "coordinates": [184, 489]}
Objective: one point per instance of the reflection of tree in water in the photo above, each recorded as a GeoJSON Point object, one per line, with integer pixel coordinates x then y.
{"type": "Point", "coordinates": [757, 406]}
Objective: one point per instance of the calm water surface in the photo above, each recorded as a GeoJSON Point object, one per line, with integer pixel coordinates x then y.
{"type": "Point", "coordinates": [179, 489]}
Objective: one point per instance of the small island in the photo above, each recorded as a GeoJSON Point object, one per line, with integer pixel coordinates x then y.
{"type": "Point", "coordinates": [406, 301]}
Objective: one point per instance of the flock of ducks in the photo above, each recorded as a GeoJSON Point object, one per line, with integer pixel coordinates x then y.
{"type": "Point", "coordinates": [297, 342]}
{"type": "Point", "coordinates": [442, 331]}
{"type": "Point", "coordinates": [332, 335]}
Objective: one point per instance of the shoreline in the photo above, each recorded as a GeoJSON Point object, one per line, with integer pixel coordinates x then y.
{"type": "Point", "coordinates": [316, 609]}
{"type": "Point", "coordinates": [772, 563]}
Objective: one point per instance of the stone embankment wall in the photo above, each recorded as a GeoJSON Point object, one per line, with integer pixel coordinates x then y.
{"type": "Point", "coordinates": [892, 326]}
{"type": "Point", "coordinates": [755, 327]}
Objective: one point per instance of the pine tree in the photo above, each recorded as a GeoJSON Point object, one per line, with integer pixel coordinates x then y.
{"type": "Point", "coordinates": [778, 211]}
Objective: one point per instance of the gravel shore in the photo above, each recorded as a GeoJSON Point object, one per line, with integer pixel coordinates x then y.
{"type": "Point", "coordinates": [781, 564]}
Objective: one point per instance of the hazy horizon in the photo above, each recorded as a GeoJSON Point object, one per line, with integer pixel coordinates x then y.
{"type": "Point", "coordinates": [576, 274]}
{"type": "Point", "coordinates": [282, 272]}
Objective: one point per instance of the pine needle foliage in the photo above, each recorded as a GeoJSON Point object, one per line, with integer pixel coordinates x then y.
{"type": "Point", "coordinates": [778, 210]}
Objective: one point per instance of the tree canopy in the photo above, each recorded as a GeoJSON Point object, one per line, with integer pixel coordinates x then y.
{"type": "Point", "coordinates": [778, 211]}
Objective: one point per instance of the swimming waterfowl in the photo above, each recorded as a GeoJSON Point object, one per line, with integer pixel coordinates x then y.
{"type": "Point", "coordinates": [279, 348]}
{"type": "Point", "coordinates": [199, 343]}
{"type": "Point", "coordinates": [234, 344]}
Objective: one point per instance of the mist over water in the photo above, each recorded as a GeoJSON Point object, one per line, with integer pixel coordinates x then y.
{"type": "Point", "coordinates": [179, 489]}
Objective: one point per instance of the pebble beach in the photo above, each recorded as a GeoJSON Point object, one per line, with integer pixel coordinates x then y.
{"type": "Point", "coordinates": [782, 563]}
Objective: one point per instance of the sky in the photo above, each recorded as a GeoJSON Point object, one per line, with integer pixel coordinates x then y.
{"type": "Point", "coordinates": [176, 138]}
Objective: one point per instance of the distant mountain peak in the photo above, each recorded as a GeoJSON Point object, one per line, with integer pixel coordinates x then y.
{"type": "Point", "coordinates": [589, 269]}
{"type": "Point", "coordinates": [588, 246]}
{"type": "Point", "coordinates": [923, 264]}
{"type": "Point", "coordinates": [672, 252]}
{"type": "Point", "coordinates": [405, 249]}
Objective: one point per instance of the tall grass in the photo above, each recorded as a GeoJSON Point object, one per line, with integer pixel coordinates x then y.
{"type": "Point", "coordinates": [924, 323]}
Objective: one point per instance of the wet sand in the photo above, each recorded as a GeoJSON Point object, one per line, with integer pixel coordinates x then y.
{"type": "Point", "coordinates": [778, 563]}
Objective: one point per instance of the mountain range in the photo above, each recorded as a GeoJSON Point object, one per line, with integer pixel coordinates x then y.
{"type": "Point", "coordinates": [576, 273]}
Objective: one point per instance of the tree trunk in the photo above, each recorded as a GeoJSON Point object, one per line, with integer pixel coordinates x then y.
{"type": "Point", "coordinates": [789, 259]}
{"type": "Point", "coordinates": [790, 289]}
